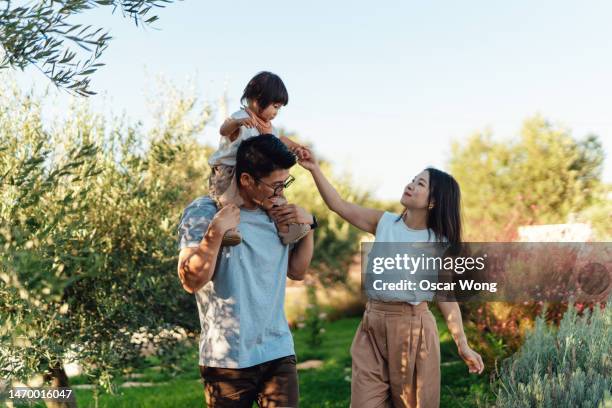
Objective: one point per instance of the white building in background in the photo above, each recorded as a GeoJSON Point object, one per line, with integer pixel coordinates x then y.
{"type": "Point", "coordinates": [576, 232]}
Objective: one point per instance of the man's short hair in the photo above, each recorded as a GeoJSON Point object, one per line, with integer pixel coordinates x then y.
{"type": "Point", "coordinates": [261, 155]}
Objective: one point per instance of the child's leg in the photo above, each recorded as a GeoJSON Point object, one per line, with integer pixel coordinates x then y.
{"type": "Point", "coordinates": [290, 233]}
{"type": "Point", "coordinates": [218, 181]}
{"type": "Point", "coordinates": [222, 188]}
{"type": "Point", "coordinates": [231, 194]}
{"type": "Point", "coordinates": [294, 233]}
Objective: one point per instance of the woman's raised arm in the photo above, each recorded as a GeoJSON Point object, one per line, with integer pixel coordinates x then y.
{"type": "Point", "coordinates": [365, 219]}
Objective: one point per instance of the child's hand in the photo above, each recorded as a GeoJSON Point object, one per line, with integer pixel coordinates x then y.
{"type": "Point", "coordinates": [306, 159]}
{"type": "Point", "coordinates": [301, 153]}
{"type": "Point", "coordinates": [247, 122]}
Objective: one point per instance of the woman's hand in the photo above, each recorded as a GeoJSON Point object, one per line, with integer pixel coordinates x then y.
{"type": "Point", "coordinates": [306, 159]}
{"type": "Point", "coordinates": [471, 358]}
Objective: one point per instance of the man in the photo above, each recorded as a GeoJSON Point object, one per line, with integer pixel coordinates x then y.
{"type": "Point", "coordinates": [246, 347]}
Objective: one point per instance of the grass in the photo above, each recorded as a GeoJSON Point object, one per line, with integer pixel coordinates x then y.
{"type": "Point", "coordinates": [327, 386]}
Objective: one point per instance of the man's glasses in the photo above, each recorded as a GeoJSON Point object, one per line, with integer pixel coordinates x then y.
{"type": "Point", "coordinates": [279, 187]}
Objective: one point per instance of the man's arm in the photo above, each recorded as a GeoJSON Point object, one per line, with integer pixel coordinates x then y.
{"type": "Point", "coordinates": [196, 265]}
{"type": "Point", "coordinates": [301, 254]}
{"type": "Point", "coordinates": [300, 257]}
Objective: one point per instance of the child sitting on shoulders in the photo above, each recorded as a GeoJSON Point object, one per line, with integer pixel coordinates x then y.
{"type": "Point", "coordinates": [262, 98]}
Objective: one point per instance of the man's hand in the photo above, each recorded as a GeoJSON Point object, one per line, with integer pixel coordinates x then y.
{"type": "Point", "coordinates": [226, 219]}
{"type": "Point", "coordinates": [290, 214]}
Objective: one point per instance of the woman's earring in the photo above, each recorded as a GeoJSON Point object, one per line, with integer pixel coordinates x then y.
{"type": "Point", "coordinates": [430, 206]}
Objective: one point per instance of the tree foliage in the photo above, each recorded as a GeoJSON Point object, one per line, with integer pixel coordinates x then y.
{"type": "Point", "coordinates": [545, 176]}
{"type": "Point", "coordinates": [88, 212]}
{"type": "Point", "coordinates": [542, 177]}
{"type": "Point", "coordinates": [44, 34]}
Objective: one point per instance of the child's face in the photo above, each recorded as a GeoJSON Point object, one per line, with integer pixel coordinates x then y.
{"type": "Point", "coordinates": [270, 112]}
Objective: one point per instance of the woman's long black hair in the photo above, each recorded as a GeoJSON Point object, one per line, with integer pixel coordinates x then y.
{"type": "Point", "coordinates": [444, 218]}
{"type": "Point", "coordinates": [444, 208]}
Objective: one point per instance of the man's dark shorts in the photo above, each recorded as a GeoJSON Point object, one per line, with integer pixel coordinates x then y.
{"type": "Point", "coordinates": [270, 384]}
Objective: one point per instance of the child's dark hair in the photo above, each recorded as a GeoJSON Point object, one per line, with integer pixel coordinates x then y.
{"type": "Point", "coordinates": [265, 88]}
{"type": "Point", "coordinates": [445, 216]}
{"type": "Point", "coordinates": [261, 155]}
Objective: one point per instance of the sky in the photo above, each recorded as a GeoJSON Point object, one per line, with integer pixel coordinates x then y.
{"type": "Point", "coordinates": [380, 89]}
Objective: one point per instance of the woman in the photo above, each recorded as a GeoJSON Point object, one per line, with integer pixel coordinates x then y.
{"type": "Point", "coordinates": [396, 350]}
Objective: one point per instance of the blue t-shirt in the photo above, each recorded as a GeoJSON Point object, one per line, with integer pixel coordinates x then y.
{"type": "Point", "coordinates": [241, 309]}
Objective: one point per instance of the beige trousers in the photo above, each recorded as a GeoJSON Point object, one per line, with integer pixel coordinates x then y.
{"type": "Point", "coordinates": [396, 357]}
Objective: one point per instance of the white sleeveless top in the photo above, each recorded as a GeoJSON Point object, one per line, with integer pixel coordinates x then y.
{"type": "Point", "coordinates": [226, 153]}
{"type": "Point", "coordinates": [391, 228]}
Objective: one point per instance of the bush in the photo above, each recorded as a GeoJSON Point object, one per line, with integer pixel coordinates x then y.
{"type": "Point", "coordinates": [568, 366]}
{"type": "Point", "coordinates": [87, 235]}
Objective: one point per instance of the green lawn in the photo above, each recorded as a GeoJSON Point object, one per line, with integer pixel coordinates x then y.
{"type": "Point", "coordinates": [327, 386]}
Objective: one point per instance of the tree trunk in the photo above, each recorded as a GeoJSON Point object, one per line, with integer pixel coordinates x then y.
{"type": "Point", "coordinates": [59, 379]}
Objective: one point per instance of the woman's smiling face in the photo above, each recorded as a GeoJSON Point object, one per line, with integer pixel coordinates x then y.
{"type": "Point", "coordinates": [416, 193]}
